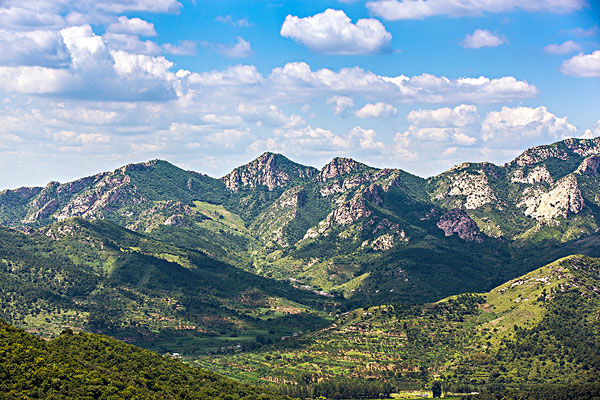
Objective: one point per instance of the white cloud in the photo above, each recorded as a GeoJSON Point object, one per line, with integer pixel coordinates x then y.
{"type": "Point", "coordinates": [592, 132]}
{"type": "Point", "coordinates": [43, 48]}
{"type": "Point", "coordinates": [482, 38]}
{"type": "Point", "coordinates": [342, 103]}
{"type": "Point", "coordinates": [131, 44]}
{"type": "Point", "coordinates": [232, 76]}
{"type": "Point", "coordinates": [419, 9]}
{"type": "Point", "coordinates": [33, 80]}
{"type": "Point", "coordinates": [229, 20]}
{"type": "Point", "coordinates": [582, 32]}
{"type": "Point", "coordinates": [78, 139]}
{"type": "Point", "coordinates": [227, 138]}
{"type": "Point", "coordinates": [132, 26]}
{"type": "Point", "coordinates": [520, 125]}
{"type": "Point", "coordinates": [182, 48]}
{"type": "Point", "coordinates": [582, 65]}
{"type": "Point", "coordinates": [377, 110]}
{"type": "Point", "coordinates": [564, 48]}
{"type": "Point", "coordinates": [297, 79]}
{"type": "Point", "coordinates": [457, 125]}
{"type": "Point", "coordinates": [460, 116]}
{"type": "Point", "coordinates": [22, 18]}
{"type": "Point", "coordinates": [153, 6]}
{"type": "Point", "coordinates": [240, 49]}
{"type": "Point", "coordinates": [366, 139]}
{"type": "Point", "coordinates": [332, 32]}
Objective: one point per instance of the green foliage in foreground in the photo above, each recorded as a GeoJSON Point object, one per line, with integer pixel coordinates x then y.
{"type": "Point", "coordinates": [87, 366]}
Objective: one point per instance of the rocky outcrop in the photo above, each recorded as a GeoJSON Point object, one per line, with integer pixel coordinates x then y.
{"type": "Point", "coordinates": [269, 170]}
{"type": "Point", "coordinates": [584, 147]}
{"type": "Point", "coordinates": [339, 166]}
{"type": "Point", "coordinates": [589, 166]}
{"type": "Point", "coordinates": [538, 154]}
{"type": "Point", "coordinates": [374, 193]}
{"type": "Point", "coordinates": [539, 174]}
{"type": "Point", "coordinates": [27, 193]}
{"type": "Point", "coordinates": [345, 214]}
{"type": "Point", "coordinates": [563, 199]}
{"type": "Point", "coordinates": [383, 242]}
{"type": "Point", "coordinates": [43, 212]}
{"type": "Point", "coordinates": [474, 186]}
{"type": "Point", "coordinates": [177, 220]}
{"type": "Point", "coordinates": [458, 222]}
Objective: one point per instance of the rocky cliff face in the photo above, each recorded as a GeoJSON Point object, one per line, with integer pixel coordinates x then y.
{"type": "Point", "coordinates": [472, 185]}
{"type": "Point", "coordinates": [269, 170]}
{"type": "Point", "coordinates": [339, 166]}
{"type": "Point", "coordinates": [563, 199]}
{"type": "Point", "coordinates": [457, 222]}
{"type": "Point", "coordinates": [589, 166]}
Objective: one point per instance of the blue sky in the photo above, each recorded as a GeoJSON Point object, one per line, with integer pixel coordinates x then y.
{"type": "Point", "coordinates": [422, 85]}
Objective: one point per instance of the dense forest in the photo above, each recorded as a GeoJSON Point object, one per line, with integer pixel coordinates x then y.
{"type": "Point", "coordinates": [88, 366]}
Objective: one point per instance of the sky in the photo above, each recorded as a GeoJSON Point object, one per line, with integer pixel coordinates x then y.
{"type": "Point", "coordinates": [90, 85]}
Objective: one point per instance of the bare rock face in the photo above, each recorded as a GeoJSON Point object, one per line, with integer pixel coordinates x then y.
{"type": "Point", "coordinates": [383, 242]}
{"type": "Point", "coordinates": [584, 147]}
{"type": "Point", "coordinates": [339, 166]}
{"type": "Point", "coordinates": [43, 212]}
{"type": "Point", "coordinates": [27, 192]}
{"type": "Point", "coordinates": [265, 171]}
{"type": "Point", "coordinates": [475, 187]}
{"type": "Point", "coordinates": [177, 220]}
{"type": "Point", "coordinates": [538, 154]}
{"type": "Point", "coordinates": [374, 193]}
{"type": "Point", "coordinates": [539, 174]}
{"type": "Point", "coordinates": [589, 166]}
{"type": "Point", "coordinates": [345, 214]}
{"type": "Point", "coordinates": [564, 199]}
{"type": "Point", "coordinates": [458, 222]}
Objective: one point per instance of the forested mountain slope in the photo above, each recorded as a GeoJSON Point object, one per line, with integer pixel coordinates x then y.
{"type": "Point", "coordinates": [100, 277]}
{"type": "Point", "coordinates": [365, 234]}
{"type": "Point", "coordinates": [540, 329]}
{"type": "Point", "coordinates": [87, 366]}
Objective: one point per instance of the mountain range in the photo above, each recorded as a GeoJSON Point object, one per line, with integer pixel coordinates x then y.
{"type": "Point", "coordinates": [281, 259]}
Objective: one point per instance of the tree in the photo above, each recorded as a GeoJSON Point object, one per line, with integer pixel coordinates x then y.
{"type": "Point", "coordinates": [436, 388]}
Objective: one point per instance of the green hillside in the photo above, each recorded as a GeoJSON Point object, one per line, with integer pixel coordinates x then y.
{"type": "Point", "coordinates": [87, 366]}
{"type": "Point", "coordinates": [537, 330]}
{"type": "Point", "coordinates": [99, 277]}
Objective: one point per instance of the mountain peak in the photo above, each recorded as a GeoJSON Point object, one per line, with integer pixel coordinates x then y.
{"type": "Point", "coordinates": [563, 150]}
{"type": "Point", "coordinates": [340, 166]}
{"type": "Point", "coordinates": [269, 169]}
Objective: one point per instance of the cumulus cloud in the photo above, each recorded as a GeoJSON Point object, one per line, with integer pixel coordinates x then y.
{"type": "Point", "coordinates": [582, 65]}
{"type": "Point", "coordinates": [240, 49]}
{"type": "Point", "coordinates": [592, 132]}
{"type": "Point", "coordinates": [332, 32]}
{"type": "Point", "coordinates": [132, 26]}
{"type": "Point", "coordinates": [298, 79]}
{"type": "Point", "coordinates": [481, 38]}
{"type": "Point", "coordinates": [377, 110]}
{"type": "Point", "coordinates": [131, 44]}
{"type": "Point", "coordinates": [95, 71]}
{"type": "Point", "coordinates": [342, 103]}
{"type": "Point", "coordinates": [43, 48]}
{"type": "Point", "coordinates": [419, 9]}
{"type": "Point", "coordinates": [457, 125]}
{"type": "Point", "coordinates": [564, 48]}
{"type": "Point", "coordinates": [515, 126]}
